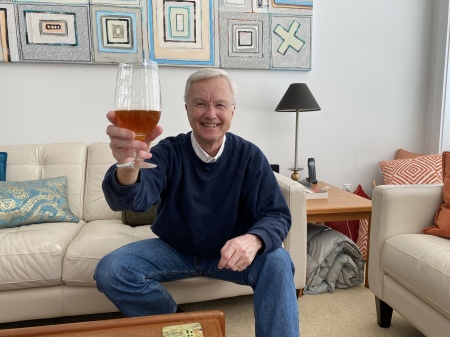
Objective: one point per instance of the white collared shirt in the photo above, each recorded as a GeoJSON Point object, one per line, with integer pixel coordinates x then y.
{"type": "Point", "coordinates": [202, 154]}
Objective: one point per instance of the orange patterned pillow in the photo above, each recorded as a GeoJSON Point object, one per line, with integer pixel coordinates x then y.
{"type": "Point", "coordinates": [363, 237]}
{"type": "Point", "coordinates": [442, 219]}
{"type": "Point", "coordinates": [403, 154]}
{"type": "Point", "coordinates": [420, 170]}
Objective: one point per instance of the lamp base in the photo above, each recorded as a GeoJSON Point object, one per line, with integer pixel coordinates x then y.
{"type": "Point", "coordinates": [296, 175]}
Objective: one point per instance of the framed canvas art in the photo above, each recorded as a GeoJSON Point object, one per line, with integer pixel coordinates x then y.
{"type": "Point", "coordinates": [242, 34]}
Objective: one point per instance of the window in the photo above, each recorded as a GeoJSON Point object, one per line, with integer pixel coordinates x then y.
{"type": "Point", "coordinates": [445, 142]}
{"type": "Point", "coordinates": [438, 113]}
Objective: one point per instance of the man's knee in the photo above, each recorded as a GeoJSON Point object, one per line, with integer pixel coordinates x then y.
{"type": "Point", "coordinates": [106, 270]}
{"type": "Point", "coordinates": [280, 260]}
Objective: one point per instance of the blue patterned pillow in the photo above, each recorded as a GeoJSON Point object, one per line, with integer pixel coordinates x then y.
{"type": "Point", "coordinates": [34, 201]}
{"type": "Point", "coordinates": [3, 157]}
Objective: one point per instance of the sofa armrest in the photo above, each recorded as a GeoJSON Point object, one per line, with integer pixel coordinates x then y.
{"type": "Point", "coordinates": [295, 242]}
{"type": "Point", "coordinates": [398, 209]}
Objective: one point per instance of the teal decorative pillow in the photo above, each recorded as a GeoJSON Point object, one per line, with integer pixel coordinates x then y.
{"type": "Point", "coordinates": [3, 157]}
{"type": "Point", "coordinates": [34, 201]}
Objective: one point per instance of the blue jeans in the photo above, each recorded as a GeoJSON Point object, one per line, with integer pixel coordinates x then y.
{"type": "Point", "coordinates": [130, 277]}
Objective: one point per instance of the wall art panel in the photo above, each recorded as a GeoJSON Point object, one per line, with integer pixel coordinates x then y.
{"type": "Point", "coordinates": [248, 44]}
{"type": "Point", "coordinates": [236, 6]}
{"type": "Point", "coordinates": [291, 42]}
{"type": "Point", "coordinates": [117, 34]}
{"type": "Point", "coordinates": [133, 3]}
{"type": "Point", "coordinates": [181, 32]}
{"type": "Point", "coordinates": [247, 34]}
{"type": "Point", "coordinates": [54, 33]}
{"type": "Point", "coordinates": [8, 39]}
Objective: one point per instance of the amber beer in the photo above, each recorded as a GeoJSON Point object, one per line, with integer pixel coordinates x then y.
{"type": "Point", "coordinates": [142, 122]}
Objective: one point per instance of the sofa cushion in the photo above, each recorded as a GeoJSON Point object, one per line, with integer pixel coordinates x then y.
{"type": "Point", "coordinates": [34, 201]}
{"type": "Point", "coordinates": [421, 264]}
{"type": "Point", "coordinates": [133, 219]}
{"type": "Point", "coordinates": [363, 228]}
{"type": "Point", "coordinates": [99, 161]}
{"type": "Point", "coordinates": [32, 256]}
{"type": "Point", "coordinates": [442, 219]}
{"type": "Point", "coordinates": [420, 170]}
{"type": "Point", "coordinates": [403, 154]}
{"type": "Point", "coordinates": [97, 239]}
{"type": "Point", "coordinates": [3, 158]}
{"type": "Point", "coordinates": [347, 227]}
{"type": "Point", "coordinates": [363, 237]}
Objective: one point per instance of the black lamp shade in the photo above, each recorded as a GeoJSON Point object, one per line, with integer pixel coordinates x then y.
{"type": "Point", "coordinates": [298, 97]}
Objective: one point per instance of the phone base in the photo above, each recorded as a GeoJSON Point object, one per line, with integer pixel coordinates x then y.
{"type": "Point", "coordinates": [305, 183]}
{"type": "Point", "coordinates": [312, 181]}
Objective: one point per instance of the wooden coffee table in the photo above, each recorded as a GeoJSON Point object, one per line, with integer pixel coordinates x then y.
{"type": "Point", "coordinates": [340, 205]}
{"type": "Point", "coordinates": [213, 325]}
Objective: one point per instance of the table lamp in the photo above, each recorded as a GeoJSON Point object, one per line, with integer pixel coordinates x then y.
{"type": "Point", "coordinates": [297, 98]}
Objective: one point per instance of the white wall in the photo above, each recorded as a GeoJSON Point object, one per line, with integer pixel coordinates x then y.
{"type": "Point", "coordinates": [369, 74]}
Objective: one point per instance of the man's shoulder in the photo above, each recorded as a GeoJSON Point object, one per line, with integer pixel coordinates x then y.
{"type": "Point", "coordinates": [238, 142]}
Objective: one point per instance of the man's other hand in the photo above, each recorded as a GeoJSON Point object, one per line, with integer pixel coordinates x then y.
{"type": "Point", "coordinates": [238, 253]}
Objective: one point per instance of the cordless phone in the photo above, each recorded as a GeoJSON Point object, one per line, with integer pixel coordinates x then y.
{"type": "Point", "coordinates": [312, 171]}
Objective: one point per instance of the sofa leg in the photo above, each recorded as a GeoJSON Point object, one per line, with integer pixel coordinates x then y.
{"type": "Point", "coordinates": [299, 292]}
{"type": "Point", "coordinates": [384, 313]}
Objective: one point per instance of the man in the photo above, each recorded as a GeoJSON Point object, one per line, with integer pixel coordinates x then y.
{"type": "Point", "coordinates": [221, 213]}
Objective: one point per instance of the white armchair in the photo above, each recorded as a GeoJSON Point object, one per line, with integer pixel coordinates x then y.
{"type": "Point", "coordinates": [409, 272]}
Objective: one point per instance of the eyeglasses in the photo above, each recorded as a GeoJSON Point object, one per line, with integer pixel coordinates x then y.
{"type": "Point", "coordinates": [203, 106]}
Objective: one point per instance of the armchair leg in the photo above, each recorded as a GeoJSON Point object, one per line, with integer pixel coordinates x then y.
{"type": "Point", "coordinates": [384, 313]}
{"type": "Point", "coordinates": [299, 292]}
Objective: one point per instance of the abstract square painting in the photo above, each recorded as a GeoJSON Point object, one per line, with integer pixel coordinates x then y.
{"type": "Point", "coordinates": [4, 45]}
{"type": "Point", "coordinates": [181, 32]}
{"type": "Point", "coordinates": [116, 3]}
{"type": "Point", "coordinates": [295, 4]}
{"type": "Point", "coordinates": [54, 33]}
{"type": "Point", "coordinates": [8, 39]}
{"type": "Point", "coordinates": [242, 6]}
{"type": "Point", "coordinates": [59, 2]}
{"type": "Point", "coordinates": [244, 40]}
{"type": "Point", "coordinates": [117, 34]}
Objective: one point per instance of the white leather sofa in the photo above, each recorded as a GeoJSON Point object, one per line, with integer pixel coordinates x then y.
{"type": "Point", "coordinates": [409, 272]}
{"type": "Point", "coordinates": [46, 270]}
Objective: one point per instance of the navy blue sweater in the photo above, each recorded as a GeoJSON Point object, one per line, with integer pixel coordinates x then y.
{"type": "Point", "coordinates": [201, 206]}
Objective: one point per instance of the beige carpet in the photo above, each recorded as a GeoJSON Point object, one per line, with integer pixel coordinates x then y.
{"type": "Point", "coordinates": [346, 313]}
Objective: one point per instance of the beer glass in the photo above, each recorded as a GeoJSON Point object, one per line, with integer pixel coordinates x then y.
{"type": "Point", "coordinates": [138, 102]}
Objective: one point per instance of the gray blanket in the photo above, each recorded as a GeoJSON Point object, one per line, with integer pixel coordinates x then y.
{"type": "Point", "coordinates": [334, 261]}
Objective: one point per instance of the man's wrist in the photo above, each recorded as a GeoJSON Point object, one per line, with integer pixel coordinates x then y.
{"type": "Point", "coordinates": [258, 242]}
{"type": "Point", "coordinates": [126, 176]}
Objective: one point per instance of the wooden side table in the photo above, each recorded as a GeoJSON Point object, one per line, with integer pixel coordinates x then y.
{"type": "Point", "coordinates": [340, 205]}
{"type": "Point", "coordinates": [213, 324]}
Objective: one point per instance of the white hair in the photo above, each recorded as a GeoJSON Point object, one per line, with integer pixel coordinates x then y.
{"type": "Point", "coordinates": [206, 73]}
